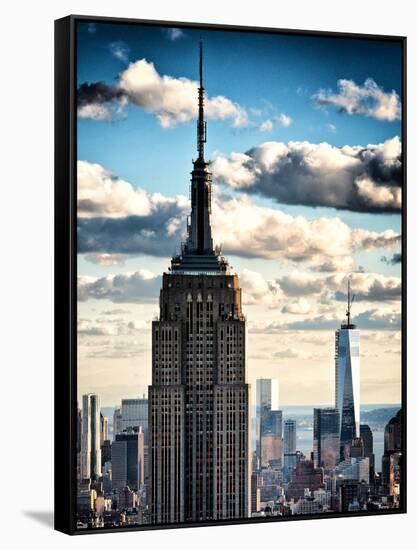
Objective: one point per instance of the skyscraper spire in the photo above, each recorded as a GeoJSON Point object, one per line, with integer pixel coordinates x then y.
{"type": "Point", "coordinates": [349, 304]}
{"type": "Point", "coordinates": [201, 123]}
{"type": "Point", "coordinates": [198, 253]}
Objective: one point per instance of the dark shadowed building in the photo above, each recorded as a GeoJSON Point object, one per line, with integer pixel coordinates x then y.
{"type": "Point", "coordinates": [326, 438]}
{"type": "Point", "coordinates": [368, 448]}
{"type": "Point", "coordinates": [305, 476]}
{"type": "Point", "coordinates": [392, 457]}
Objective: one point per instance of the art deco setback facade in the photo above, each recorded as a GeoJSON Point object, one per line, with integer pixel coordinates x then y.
{"type": "Point", "coordinates": [199, 399]}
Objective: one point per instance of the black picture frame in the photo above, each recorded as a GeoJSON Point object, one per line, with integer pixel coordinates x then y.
{"type": "Point", "coordinates": [66, 269]}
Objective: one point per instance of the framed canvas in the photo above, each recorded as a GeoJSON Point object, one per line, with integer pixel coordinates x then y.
{"type": "Point", "coordinates": [230, 275]}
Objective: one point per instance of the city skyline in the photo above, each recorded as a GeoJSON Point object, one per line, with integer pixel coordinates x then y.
{"type": "Point", "coordinates": [143, 199]}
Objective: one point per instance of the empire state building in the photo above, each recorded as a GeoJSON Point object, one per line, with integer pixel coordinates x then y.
{"type": "Point", "coordinates": [199, 398]}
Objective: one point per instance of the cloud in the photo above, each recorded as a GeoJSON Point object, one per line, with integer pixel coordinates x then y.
{"type": "Point", "coordinates": [249, 230]}
{"type": "Point", "coordinates": [394, 260]}
{"type": "Point", "coordinates": [371, 287]}
{"type": "Point", "coordinates": [297, 307]}
{"type": "Point", "coordinates": [331, 127]}
{"type": "Point", "coordinates": [368, 287]}
{"type": "Point", "coordinates": [126, 349]}
{"type": "Point", "coordinates": [108, 327]}
{"type": "Point", "coordinates": [174, 34]}
{"type": "Point", "coordinates": [283, 120]}
{"type": "Point", "coordinates": [370, 319]}
{"type": "Point", "coordinates": [99, 101]}
{"type": "Point", "coordinates": [116, 219]}
{"type": "Point", "coordinates": [107, 260]}
{"type": "Point", "coordinates": [138, 287]}
{"type": "Point", "coordinates": [120, 50]}
{"type": "Point", "coordinates": [102, 194]}
{"type": "Point", "coordinates": [92, 28]}
{"type": "Point", "coordinates": [172, 100]}
{"type": "Point", "coordinates": [362, 179]}
{"type": "Point", "coordinates": [266, 126]}
{"type": "Point", "coordinates": [369, 100]}
{"type": "Point", "coordinates": [257, 290]}
{"type": "Point", "coordinates": [293, 353]}
{"type": "Point", "coordinates": [117, 311]}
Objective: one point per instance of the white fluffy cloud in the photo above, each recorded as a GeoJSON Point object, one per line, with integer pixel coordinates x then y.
{"type": "Point", "coordinates": [266, 126]}
{"type": "Point", "coordinates": [247, 229]}
{"type": "Point", "coordinates": [300, 306]}
{"type": "Point", "coordinates": [257, 290]}
{"type": "Point", "coordinates": [100, 193]}
{"type": "Point", "coordinates": [171, 100]}
{"type": "Point", "coordinates": [368, 99]}
{"type": "Point", "coordinates": [95, 111]}
{"type": "Point", "coordinates": [282, 120]}
{"type": "Point", "coordinates": [356, 178]}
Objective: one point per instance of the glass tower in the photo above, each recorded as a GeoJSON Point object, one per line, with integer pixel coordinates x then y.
{"type": "Point", "coordinates": [326, 438]}
{"type": "Point", "coordinates": [347, 359]}
{"type": "Point", "coordinates": [267, 391]}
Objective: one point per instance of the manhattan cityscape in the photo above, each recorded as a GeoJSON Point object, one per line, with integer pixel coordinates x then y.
{"type": "Point", "coordinates": [177, 420]}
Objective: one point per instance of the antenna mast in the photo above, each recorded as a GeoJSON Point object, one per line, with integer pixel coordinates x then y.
{"type": "Point", "coordinates": [201, 123]}
{"type": "Point", "coordinates": [349, 304]}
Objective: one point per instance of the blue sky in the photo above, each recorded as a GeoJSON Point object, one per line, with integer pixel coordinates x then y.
{"type": "Point", "coordinates": [266, 76]}
{"type": "Point", "coordinates": [274, 73]}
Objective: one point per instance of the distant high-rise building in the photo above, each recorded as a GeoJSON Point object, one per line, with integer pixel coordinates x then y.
{"type": "Point", "coordinates": [349, 494]}
{"type": "Point", "coordinates": [326, 438]}
{"type": "Point", "coordinates": [79, 429]}
{"type": "Point", "coordinates": [290, 436]}
{"type": "Point", "coordinates": [290, 444]}
{"type": "Point", "coordinates": [126, 498]}
{"type": "Point", "coordinates": [354, 468]}
{"type": "Point", "coordinates": [255, 492]}
{"type": "Point", "coordinates": [305, 476]}
{"type": "Point", "coordinates": [126, 460]}
{"type": "Point", "coordinates": [90, 443]}
{"type": "Point", "coordinates": [117, 422]}
{"type": "Point", "coordinates": [105, 452]}
{"type": "Point", "coordinates": [368, 448]}
{"type": "Point", "coordinates": [355, 448]}
{"type": "Point", "coordinates": [141, 457]}
{"type": "Point", "coordinates": [267, 398]}
{"type": "Point", "coordinates": [347, 359]}
{"type": "Point", "coordinates": [79, 441]}
{"type": "Point", "coordinates": [392, 434]}
{"type": "Point", "coordinates": [392, 457]}
{"type": "Point", "coordinates": [271, 438]}
{"type": "Point", "coordinates": [135, 415]}
{"type": "Point", "coordinates": [104, 428]}
{"type": "Point", "coordinates": [199, 399]}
